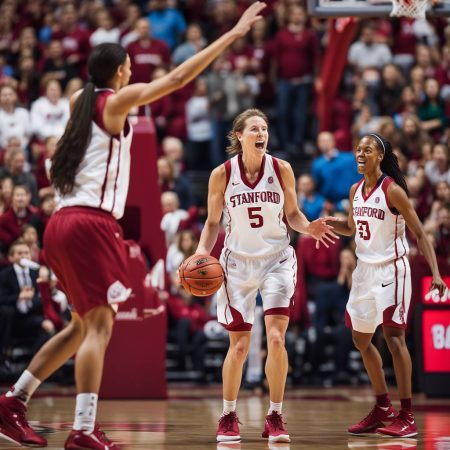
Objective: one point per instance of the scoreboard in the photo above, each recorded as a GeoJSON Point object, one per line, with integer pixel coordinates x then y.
{"type": "Point", "coordinates": [433, 342]}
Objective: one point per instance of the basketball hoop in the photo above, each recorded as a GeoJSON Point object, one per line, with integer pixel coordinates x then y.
{"type": "Point", "coordinates": [416, 9]}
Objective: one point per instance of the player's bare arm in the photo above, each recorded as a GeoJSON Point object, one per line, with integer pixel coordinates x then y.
{"type": "Point", "coordinates": [143, 93]}
{"type": "Point", "coordinates": [346, 227]}
{"type": "Point", "coordinates": [318, 229]}
{"type": "Point", "coordinates": [216, 190]}
{"type": "Point", "coordinates": [400, 201]}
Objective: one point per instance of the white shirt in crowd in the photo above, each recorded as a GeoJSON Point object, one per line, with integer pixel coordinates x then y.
{"type": "Point", "coordinates": [363, 56]}
{"type": "Point", "coordinates": [102, 36]}
{"type": "Point", "coordinates": [198, 120]}
{"type": "Point", "coordinates": [15, 124]}
{"type": "Point", "coordinates": [49, 119]}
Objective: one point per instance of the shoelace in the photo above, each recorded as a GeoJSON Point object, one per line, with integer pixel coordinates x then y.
{"type": "Point", "coordinates": [277, 421]}
{"type": "Point", "coordinates": [228, 420]}
{"type": "Point", "coordinates": [101, 435]}
{"type": "Point", "coordinates": [19, 415]}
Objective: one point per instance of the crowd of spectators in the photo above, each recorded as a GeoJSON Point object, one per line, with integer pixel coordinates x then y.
{"type": "Point", "coordinates": [396, 83]}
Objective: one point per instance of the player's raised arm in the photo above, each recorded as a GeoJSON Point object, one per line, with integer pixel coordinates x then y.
{"type": "Point", "coordinates": [318, 229]}
{"type": "Point", "coordinates": [346, 227]}
{"type": "Point", "coordinates": [143, 93]}
{"type": "Point", "coordinates": [216, 189]}
{"type": "Point", "coordinates": [399, 200]}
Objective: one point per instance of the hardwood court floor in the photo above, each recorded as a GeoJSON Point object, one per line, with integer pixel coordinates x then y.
{"type": "Point", "coordinates": [317, 419]}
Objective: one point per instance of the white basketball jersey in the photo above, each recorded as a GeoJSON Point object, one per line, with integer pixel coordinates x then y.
{"type": "Point", "coordinates": [103, 175]}
{"type": "Point", "coordinates": [380, 231]}
{"type": "Point", "coordinates": [254, 211]}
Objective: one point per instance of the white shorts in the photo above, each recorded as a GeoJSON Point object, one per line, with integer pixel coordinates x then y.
{"type": "Point", "coordinates": [274, 277]}
{"type": "Point", "coordinates": [380, 294]}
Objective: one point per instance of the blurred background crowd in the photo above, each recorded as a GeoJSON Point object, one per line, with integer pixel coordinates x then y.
{"type": "Point", "coordinates": [396, 82]}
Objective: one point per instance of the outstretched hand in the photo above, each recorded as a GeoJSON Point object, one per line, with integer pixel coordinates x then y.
{"type": "Point", "coordinates": [438, 291]}
{"type": "Point", "coordinates": [250, 16]}
{"type": "Point", "coordinates": [322, 232]}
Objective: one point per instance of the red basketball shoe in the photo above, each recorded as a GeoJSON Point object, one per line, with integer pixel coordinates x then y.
{"type": "Point", "coordinates": [97, 440]}
{"type": "Point", "coordinates": [403, 426]}
{"type": "Point", "coordinates": [374, 420]}
{"type": "Point", "coordinates": [228, 429]}
{"type": "Point", "coordinates": [14, 425]}
{"type": "Point", "coordinates": [274, 428]}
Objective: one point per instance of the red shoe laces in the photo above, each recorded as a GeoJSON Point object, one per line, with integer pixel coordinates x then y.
{"type": "Point", "coordinates": [276, 421]}
{"type": "Point", "coordinates": [227, 421]}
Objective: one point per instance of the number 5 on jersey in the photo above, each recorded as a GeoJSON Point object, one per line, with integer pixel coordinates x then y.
{"type": "Point", "coordinates": [256, 220]}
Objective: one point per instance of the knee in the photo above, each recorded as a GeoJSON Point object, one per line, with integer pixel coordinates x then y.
{"type": "Point", "coordinates": [395, 344]}
{"type": "Point", "coordinates": [361, 344]}
{"type": "Point", "coordinates": [240, 351]}
{"type": "Point", "coordinates": [275, 341]}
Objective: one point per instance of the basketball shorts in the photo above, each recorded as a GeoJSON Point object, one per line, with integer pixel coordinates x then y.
{"type": "Point", "coordinates": [273, 276]}
{"type": "Point", "coordinates": [380, 295]}
{"type": "Point", "coordinates": [85, 249]}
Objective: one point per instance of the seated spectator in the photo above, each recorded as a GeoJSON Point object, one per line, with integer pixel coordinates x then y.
{"type": "Point", "coordinates": [146, 54]}
{"type": "Point", "coordinates": [391, 86]}
{"type": "Point", "coordinates": [15, 164]}
{"type": "Point", "coordinates": [431, 111]}
{"type": "Point", "coordinates": [168, 182]}
{"type": "Point", "coordinates": [50, 113]}
{"type": "Point", "coordinates": [26, 44]}
{"type": "Point", "coordinates": [28, 81]}
{"type": "Point", "coordinates": [441, 198]}
{"type": "Point", "coordinates": [19, 214]}
{"type": "Point", "coordinates": [6, 189]}
{"type": "Point", "coordinates": [14, 120]}
{"type": "Point", "coordinates": [412, 137]}
{"type": "Point", "coordinates": [127, 26]}
{"type": "Point", "coordinates": [168, 23]}
{"type": "Point", "coordinates": [443, 232]}
{"type": "Point", "coordinates": [42, 160]}
{"type": "Point", "coordinates": [172, 215]}
{"type": "Point", "coordinates": [30, 237]}
{"type": "Point", "coordinates": [106, 31]}
{"type": "Point", "coordinates": [438, 168]}
{"type": "Point", "coordinates": [47, 208]}
{"type": "Point", "coordinates": [184, 246]}
{"type": "Point", "coordinates": [199, 128]}
{"type": "Point", "coordinates": [367, 56]}
{"type": "Point", "coordinates": [194, 43]}
{"type": "Point", "coordinates": [334, 172]}
{"type": "Point", "coordinates": [74, 85]}
{"type": "Point", "coordinates": [310, 202]}
{"type": "Point", "coordinates": [21, 315]}
{"type": "Point", "coordinates": [56, 67]}
{"type": "Point", "coordinates": [172, 147]}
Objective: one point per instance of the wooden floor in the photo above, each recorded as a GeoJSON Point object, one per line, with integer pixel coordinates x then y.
{"type": "Point", "coordinates": [316, 419]}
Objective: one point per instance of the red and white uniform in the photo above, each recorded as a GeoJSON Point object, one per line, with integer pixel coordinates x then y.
{"type": "Point", "coordinates": [381, 288]}
{"type": "Point", "coordinates": [256, 254]}
{"type": "Point", "coordinates": [83, 242]}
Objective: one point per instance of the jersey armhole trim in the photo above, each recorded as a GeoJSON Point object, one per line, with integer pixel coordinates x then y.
{"type": "Point", "coordinates": [227, 165]}
{"type": "Point", "coordinates": [276, 167]}
{"type": "Point", "coordinates": [385, 186]}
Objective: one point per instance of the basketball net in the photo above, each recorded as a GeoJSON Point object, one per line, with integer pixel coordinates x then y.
{"type": "Point", "coordinates": [409, 8]}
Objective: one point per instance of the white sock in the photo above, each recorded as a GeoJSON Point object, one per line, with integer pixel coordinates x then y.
{"type": "Point", "coordinates": [85, 412]}
{"type": "Point", "coordinates": [229, 406]}
{"type": "Point", "coordinates": [275, 407]}
{"type": "Point", "coordinates": [24, 387]}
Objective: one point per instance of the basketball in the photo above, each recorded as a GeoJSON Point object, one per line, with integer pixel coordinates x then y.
{"type": "Point", "coordinates": [201, 275]}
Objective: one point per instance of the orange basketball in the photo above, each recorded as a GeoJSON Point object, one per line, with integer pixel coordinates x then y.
{"type": "Point", "coordinates": [201, 275]}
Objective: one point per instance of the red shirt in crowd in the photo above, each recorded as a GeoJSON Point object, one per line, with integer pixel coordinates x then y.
{"type": "Point", "coordinates": [145, 59]}
{"type": "Point", "coordinates": [11, 225]}
{"type": "Point", "coordinates": [297, 54]}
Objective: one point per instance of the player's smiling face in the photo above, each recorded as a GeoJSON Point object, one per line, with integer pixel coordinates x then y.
{"type": "Point", "coordinates": [255, 135]}
{"type": "Point", "coordinates": [368, 156]}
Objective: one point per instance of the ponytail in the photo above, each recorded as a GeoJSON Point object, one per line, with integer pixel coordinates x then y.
{"type": "Point", "coordinates": [389, 164]}
{"type": "Point", "coordinates": [71, 148]}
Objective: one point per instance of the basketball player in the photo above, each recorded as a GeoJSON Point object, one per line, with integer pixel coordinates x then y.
{"type": "Point", "coordinates": [254, 190]}
{"type": "Point", "coordinates": [381, 289]}
{"type": "Point", "coordinates": [83, 242]}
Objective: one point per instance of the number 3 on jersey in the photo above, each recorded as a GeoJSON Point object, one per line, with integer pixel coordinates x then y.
{"type": "Point", "coordinates": [256, 220]}
{"type": "Point", "coordinates": [363, 229]}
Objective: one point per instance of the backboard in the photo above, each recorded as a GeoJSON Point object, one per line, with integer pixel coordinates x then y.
{"type": "Point", "coordinates": [365, 8]}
